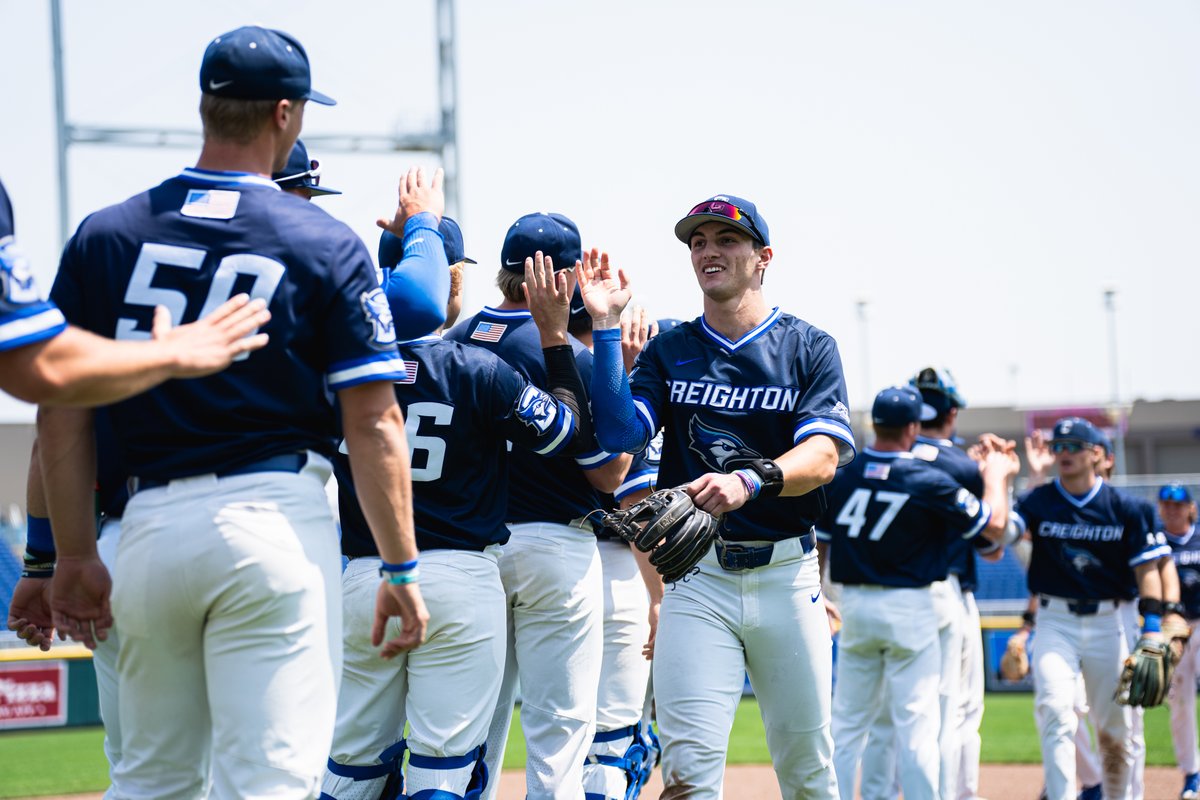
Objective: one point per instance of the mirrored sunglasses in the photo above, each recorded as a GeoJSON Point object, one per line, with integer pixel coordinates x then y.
{"type": "Point", "coordinates": [721, 208]}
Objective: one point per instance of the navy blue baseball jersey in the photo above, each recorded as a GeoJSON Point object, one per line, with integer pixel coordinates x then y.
{"type": "Point", "coordinates": [462, 405]}
{"type": "Point", "coordinates": [1185, 549]}
{"type": "Point", "coordinates": [112, 477]}
{"type": "Point", "coordinates": [542, 490]}
{"type": "Point", "coordinates": [890, 518]}
{"type": "Point", "coordinates": [723, 403]}
{"type": "Point", "coordinates": [1085, 548]}
{"type": "Point", "coordinates": [189, 244]}
{"type": "Point", "coordinates": [942, 454]}
{"type": "Point", "coordinates": [25, 316]}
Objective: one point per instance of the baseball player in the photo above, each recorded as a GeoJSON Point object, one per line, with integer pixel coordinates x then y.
{"type": "Point", "coordinates": [1092, 552]}
{"type": "Point", "coordinates": [550, 567]}
{"type": "Point", "coordinates": [43, 360]}
{"type": "Point", "coordinates": [625, 747]}
{"type": "Point", "coordinates": [228, 602]}
{"type": "Point", "coordinates": [890, 518]}
{"type": "Point", "coordinates": [463, 405]}
{"type": "Point", "coordinates": [960, 691]}
{"type": "Point", "coordinates": [1177, 510]}
{"type": "Point", "coordinates": [752, 403]}
{"type": "Point", "coordinates": [301, 175]}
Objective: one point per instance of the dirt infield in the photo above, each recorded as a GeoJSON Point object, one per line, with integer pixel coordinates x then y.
{"type": "Point", "coordinates": [996, 781]}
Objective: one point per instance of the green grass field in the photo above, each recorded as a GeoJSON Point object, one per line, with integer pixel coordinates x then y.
{"type": "Point", "coordinates": [63, 761]}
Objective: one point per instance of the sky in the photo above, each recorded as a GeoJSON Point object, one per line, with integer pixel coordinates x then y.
{"type": "Point", "coordinates": [972, 175]}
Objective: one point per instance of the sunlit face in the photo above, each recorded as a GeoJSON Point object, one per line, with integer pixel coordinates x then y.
{"type": "Point", "coordinates": [725, 260]}
{"type": "Point", "coordinates": [1075, 459]}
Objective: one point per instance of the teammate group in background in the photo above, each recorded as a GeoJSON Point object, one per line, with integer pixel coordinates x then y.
{"type": "Point", "coordinates": [245, 349]}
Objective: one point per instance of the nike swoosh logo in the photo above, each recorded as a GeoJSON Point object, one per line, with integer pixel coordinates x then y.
{"type": "Point", "coordinates": [683, 361]}
{"type": "Point", "coordinates": [215, 85]}
{"type": "Point", "coordinates": [508, 263]}
{"type": "Point", "coordinates": [814, 597]}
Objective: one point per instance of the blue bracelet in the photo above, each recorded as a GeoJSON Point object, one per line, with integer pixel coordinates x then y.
{"type": "Point", "coordinates": [38, 535]}
{"type": "Point", "coordinates": [750, 480]}
{"type": "Point", "coordinates": [1152, 623]}
{"type": "Point", "coordinates": [405, 567]}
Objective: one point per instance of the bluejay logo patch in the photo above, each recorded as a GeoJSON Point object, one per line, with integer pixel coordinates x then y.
{"type": "Point", "coordinates": [536, 409]}
{"type": "Point", "coordinates": [967, 503]}
{"type": "Point", "coordinates": [840, 411]}
{"type": "Point", "coordinates": [379, 315]}
{"type": "Point", "coordinates": [1082, 560]}
{"type": "Point", "coordinates": [17, 286]}
{"type": "Point", "coordinates": [653, 452]}
{"type": "Point", "coordinates": [720, 450]}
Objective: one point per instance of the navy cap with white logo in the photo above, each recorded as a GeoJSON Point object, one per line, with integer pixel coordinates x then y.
{"type": "Point", "coordinates": [553, 234]}
{"type": "Point", "coordinates": [1077, 429]}
{"type": "Point", "coordinates": [256, 63]}
{"type": "Point", "coordinates": [1175, 493]}
{"type": "Point", "coordinates": [897, 406]}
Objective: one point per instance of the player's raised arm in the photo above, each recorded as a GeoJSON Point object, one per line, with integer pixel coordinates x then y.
{"type": "Point", "coordinates": [412, 255]}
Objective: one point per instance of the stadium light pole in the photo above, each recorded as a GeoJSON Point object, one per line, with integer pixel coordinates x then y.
{"type": "Point", "coordinates": [1115, 413]}
{"type": "Point", "coordinates": [864, 357]}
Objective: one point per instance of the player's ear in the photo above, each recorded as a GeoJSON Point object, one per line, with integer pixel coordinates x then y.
{"type": "Point", "coordinates": [764, 253]}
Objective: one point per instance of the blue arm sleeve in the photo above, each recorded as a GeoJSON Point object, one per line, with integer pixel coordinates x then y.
{"type": "Point", "coordinates": [419, 286]}
{"type": "Point", "coordinates": [619, 429]}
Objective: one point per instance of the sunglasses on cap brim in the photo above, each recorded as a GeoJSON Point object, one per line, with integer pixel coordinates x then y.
{"type": "Point", "coordinates": [313, 173]}
{"type": "Point", "coordinates": [720, 208]}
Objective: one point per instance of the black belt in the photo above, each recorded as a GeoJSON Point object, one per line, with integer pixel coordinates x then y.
{"type": "Point", "coordinates": [287, 462]}
{"type": "Point", "coordinates": [1082, 608]}
{"type": "Point", "coordinates": [737, 557]}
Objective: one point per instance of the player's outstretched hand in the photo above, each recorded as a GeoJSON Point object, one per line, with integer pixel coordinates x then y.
{"type": "Point", "coordinates": [548, 294]}
{"type": "Point", "coordinates": [29, 612]}
{"type": "Point", "coordinates": [403, 601]}
{"type": "Point", "coordinates": [636, 330]}
{"type": "Point", "coordinates": [210, 344]}
{"type": "Point", "coordinates": [417, 193]}
{"type": "Point", "coordinates": [605, 292]}
{"type": "Point", "coordinates": [1038, 457]}
{"type": "Point", "coordinates": [718, 492]}
{"type": "Point", "coordinates": [79, 594]}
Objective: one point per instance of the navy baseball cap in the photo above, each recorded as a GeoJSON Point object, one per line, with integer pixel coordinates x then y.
{"type": "Point", "coordinates": [1175, 493]}
{"type": "Point", "coordinates": [301, 172]}
{"type": "Point", "coordinates": [897, 406]}
{"type": "Point", "coordinates": [668, 323]}
{"type": "Point", "coordinates": [391, 247]}
{"type": "Point", "coordinates": [1077, 429]}
{"type": "Point", "coordinates": [553, 234]}
{"type": "Point", "coordinates": [939, 389]}
{"type": "Point", "coordinates": [724, 208]}
{"type": "Point", "coordinates": [255, 63]}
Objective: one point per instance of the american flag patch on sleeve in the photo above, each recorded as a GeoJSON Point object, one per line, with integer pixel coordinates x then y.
{"type": "Point", "coordinates": [488, 331]}
{"type": "Point", "coordinates": [410, 373]}
{"type": "Point", "coordinates": [877, 471]}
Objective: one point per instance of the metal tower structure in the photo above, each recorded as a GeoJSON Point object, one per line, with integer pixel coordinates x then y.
{"type": "Point", "coordinates": [442, 140]}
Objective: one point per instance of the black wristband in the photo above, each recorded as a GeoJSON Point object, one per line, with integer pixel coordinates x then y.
{"type": "Point", "coordinates": [37, 564]}
{"type": "Point", "coordinates": [1029, 618]}
{"type": "Point", "coordinates": [1150, 605]}
{"type": "Point", "coordinates": [771, 475]}
{"type": "Point", "coordinates": [1174, 608]}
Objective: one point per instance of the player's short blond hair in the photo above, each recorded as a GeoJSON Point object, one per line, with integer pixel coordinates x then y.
{"type": "Point", "coordinates": [231, 120]}
{"type": "Point", "coordinates": [456, 278]}
{"type": "Point", "coordinates": [510, 284]}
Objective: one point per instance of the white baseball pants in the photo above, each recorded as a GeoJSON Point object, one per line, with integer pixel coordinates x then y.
{"type": "Point", "coordinates": [551, 577]}
{"type": "Point", "coordinates": [716, 627]}
{"type": "Point", "coordinates": [1095, 646]}
{"type": "Point", "coordinates": [229, 612]}
{"type": "Point", "coordinates": [624, 672]}
{"type": "Point", "coordinates": [889, 639]}
{"type": "Point", "coordinates": [104, 660]}
{"type": "Point", "coordinates": [1182, 702]}
{"type": "Point", "coordinates": [446, 688]}
{"type": "Point", "coordinates": [970, 715]}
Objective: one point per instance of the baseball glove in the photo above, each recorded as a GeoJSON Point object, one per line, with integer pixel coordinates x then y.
{"type": "Point", "coordinates": [669, 527]}
{"type": "Point", "coordinates": [1176, 632]}
{"type": "Point", "coordinates": [1146, 675]}
{"type": "Point", "coordinates": [1014, 664]}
